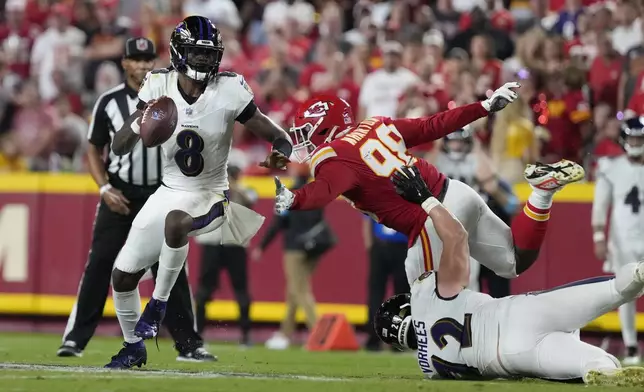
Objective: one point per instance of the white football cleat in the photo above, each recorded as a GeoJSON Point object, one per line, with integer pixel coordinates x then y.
{"type": "Point", "coordinates": [622, 377]}
{"type": "Point", "coordinates": [278, 342]}
{"type": "Point", "coordinates": [553, 177]}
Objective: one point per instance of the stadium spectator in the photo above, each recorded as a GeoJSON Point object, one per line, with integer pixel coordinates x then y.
{"type": "Point", "coordinates": [527, 56]}
{"type": "Point", "coordinates": [481, 25]}
{"type": "Point", "coordinates": [603, 77]}
{"type": "Point", "coordinates": [32, 135]}
{"type": "Point", "coordinates": [513, 143]}
{"type": "Point", "coordinates": [59, 48]}
{"type": "Point", "coordinates": [72, 136]}
{"type": "Point", "coordinates": [627, 32]}
{"type": "Point", "coordinates": [568, 115]}
{"type": "Point", "coordinates": [158, 18]}
{"type": "Point", "coordinates": [380, 89]}
{"type": "Point", "coordinates": [106, 41]}
{"type": "Point", "coordinates": [553, 55]}
{"type": "Point", "coordinates": [606, 143]}
{"type": "Point", "coordinates": [17, 34]}
{"type": "Point", "coordinates": [485, 66]}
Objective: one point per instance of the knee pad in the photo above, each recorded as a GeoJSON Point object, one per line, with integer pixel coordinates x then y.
{"type": "Point", "coordinates": [177, 225]}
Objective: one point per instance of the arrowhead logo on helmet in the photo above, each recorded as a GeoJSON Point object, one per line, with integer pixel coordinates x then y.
{"type": "Point", "coordinates": [318, 109]}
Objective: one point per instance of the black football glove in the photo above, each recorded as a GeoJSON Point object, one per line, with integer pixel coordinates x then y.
{"type": "Point", "coordinates": [410, 185]}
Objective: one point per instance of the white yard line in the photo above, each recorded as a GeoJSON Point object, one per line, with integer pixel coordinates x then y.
{"type": "Point", "coordinates": [106, 373]}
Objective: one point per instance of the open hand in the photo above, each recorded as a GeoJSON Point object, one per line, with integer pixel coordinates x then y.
{"type": "Point", "coordinates": [276, 160]}
{"type": "Point", "coordinates": [116, 201]}
{"type": "Point", "coordinates": [283, 197]}
{"type": "Point", "coordinates": [410, 184]}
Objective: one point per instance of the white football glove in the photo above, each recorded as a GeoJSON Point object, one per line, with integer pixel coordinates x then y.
{"type": "Point", "coordinates": [284, 197]}
{"type": "Point", "coordinates": [501, 97]}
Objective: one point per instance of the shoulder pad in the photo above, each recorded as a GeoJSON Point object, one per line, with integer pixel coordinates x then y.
{"type": "Point", "coordinates": [320, 156]}
{"type": "Point", "coordinates": [161, 70]}
{"type": "Point", "coordinates": [227, 74]}
{"type": "Point", "coordinates": [604, 164]}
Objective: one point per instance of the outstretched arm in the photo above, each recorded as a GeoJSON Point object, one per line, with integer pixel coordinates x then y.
{"type": "Point", "coordinates": [418, 131]}
{"type": "Point", "coordinates": [454, 267]}
{"type": "Point", "coordinates": [331, 181]}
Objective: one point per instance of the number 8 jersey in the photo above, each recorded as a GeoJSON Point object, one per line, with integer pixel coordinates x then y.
{"type": "Point", "coordinates": [196, 155]}
{"type": "Point", "coordinates": [358, 165]}
{"type": "Point", "coordinates": [458, 336]}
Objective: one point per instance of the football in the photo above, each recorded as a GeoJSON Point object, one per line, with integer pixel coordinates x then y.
{"type": "Point", "coordinates": [158, 122]}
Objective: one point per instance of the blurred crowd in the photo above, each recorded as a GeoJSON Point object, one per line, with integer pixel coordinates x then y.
{"type": "Point", "coordinates": [580, 63]}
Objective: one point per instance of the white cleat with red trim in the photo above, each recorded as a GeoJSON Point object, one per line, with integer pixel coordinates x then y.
{"type": "Point", "coordinates": [554, 176]}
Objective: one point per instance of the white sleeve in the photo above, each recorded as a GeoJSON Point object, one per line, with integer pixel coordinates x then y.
{"type": "Point", "coordinates": [241, 95]}
{"type": "Point", "coordinates": [603, 194]}
{"type": "Point", "coordinates": [149, 89]}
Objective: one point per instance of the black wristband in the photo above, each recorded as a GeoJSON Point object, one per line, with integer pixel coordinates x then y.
{"type": "Point", "coordinates": [283, 145]}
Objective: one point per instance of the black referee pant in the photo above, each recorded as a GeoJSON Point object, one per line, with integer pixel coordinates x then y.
{"type": "Point", "coordinates": [110, 232]}
{"type": "Point", "coordinates": [233, 259]}
{"type": "Point", "coordinates": [387, 259]}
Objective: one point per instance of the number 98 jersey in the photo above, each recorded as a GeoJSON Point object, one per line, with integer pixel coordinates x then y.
{"type": "Point", "coordinates": [196, 156]}
{"type": "Point", "coordinates": [457, 337]}
{"type": "Point", "coordinates": [367, 157]}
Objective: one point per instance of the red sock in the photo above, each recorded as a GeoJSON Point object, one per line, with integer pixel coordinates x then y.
{"type": "Point", "coordinates": [529, 227]}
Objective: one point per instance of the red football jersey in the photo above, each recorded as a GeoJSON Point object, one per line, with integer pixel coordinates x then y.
{"type": "Point", "coordinates": [359, 165]}
{"type": "Point", "coordinates": [566, 115]}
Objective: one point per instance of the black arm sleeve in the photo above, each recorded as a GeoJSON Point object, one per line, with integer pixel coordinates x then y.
{"type": "Point", "coordinates": [247, 113]}
{"type": "Point", "coordinates": [278, 224]}
{"type": "Point", "coordinates": [100, 126]}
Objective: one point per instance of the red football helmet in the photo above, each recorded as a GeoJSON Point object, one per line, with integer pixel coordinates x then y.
{"type": "Point", "coordinates": [319, 120]}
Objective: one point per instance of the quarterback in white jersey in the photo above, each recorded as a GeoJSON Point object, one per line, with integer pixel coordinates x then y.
{"type": "Point", "coordinates": [193, 198]}
{"type": "Point", "coordinates": [620, 189]}
{"type": "Point", "coordinates": [459, 333]}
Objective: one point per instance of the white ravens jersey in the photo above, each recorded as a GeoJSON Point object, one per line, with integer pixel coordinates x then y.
{"type": "Point", "coordinates": [621, 182]}
{"type": "Point", "coordinates": [463, 169]}
{"type": "Point", "coordinates": [457, 337]}
{"type": "Point", "coordinates": [196, 156]}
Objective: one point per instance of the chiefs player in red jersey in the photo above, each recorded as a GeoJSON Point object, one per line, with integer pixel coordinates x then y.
{"type": "Point", "coordinates": [357, 161]}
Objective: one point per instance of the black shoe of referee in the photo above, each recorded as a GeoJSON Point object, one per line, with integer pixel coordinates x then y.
{"type": "Point", "coordinates": [197, 355]}
{"type": "Point", "coordinates": [69, 349]}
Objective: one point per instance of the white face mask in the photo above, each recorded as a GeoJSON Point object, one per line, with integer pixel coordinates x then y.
{"type": "Point", "coordinates": [456, 155]}
{"type": "Point", "coordinates": [634, 151]}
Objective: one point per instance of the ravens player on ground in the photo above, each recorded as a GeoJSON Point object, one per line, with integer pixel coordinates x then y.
{"type": "Point", "coordinates": [459, 333]}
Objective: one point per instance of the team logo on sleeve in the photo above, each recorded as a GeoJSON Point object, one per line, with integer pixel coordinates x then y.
{"type": "Point", "coordinates": [246, 86]}
{"type": "Point", "coordinates": [318, 109]}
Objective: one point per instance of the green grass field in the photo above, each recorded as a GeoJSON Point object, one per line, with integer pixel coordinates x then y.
{"type": "Point", "coordinates": [28, 363]}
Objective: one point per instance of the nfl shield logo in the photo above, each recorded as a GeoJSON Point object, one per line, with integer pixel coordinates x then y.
{"type": "Point", "coordinates": [142, 44]}
{"type": "Point", "coordinates": [189, 111]}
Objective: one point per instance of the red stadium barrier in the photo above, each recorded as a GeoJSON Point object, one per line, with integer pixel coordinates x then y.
{"type": "Point", "coordinates": [45, 232]}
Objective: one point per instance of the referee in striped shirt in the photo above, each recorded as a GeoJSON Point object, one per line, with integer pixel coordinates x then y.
{"type": "Point", "coordinates": [125, 184]}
